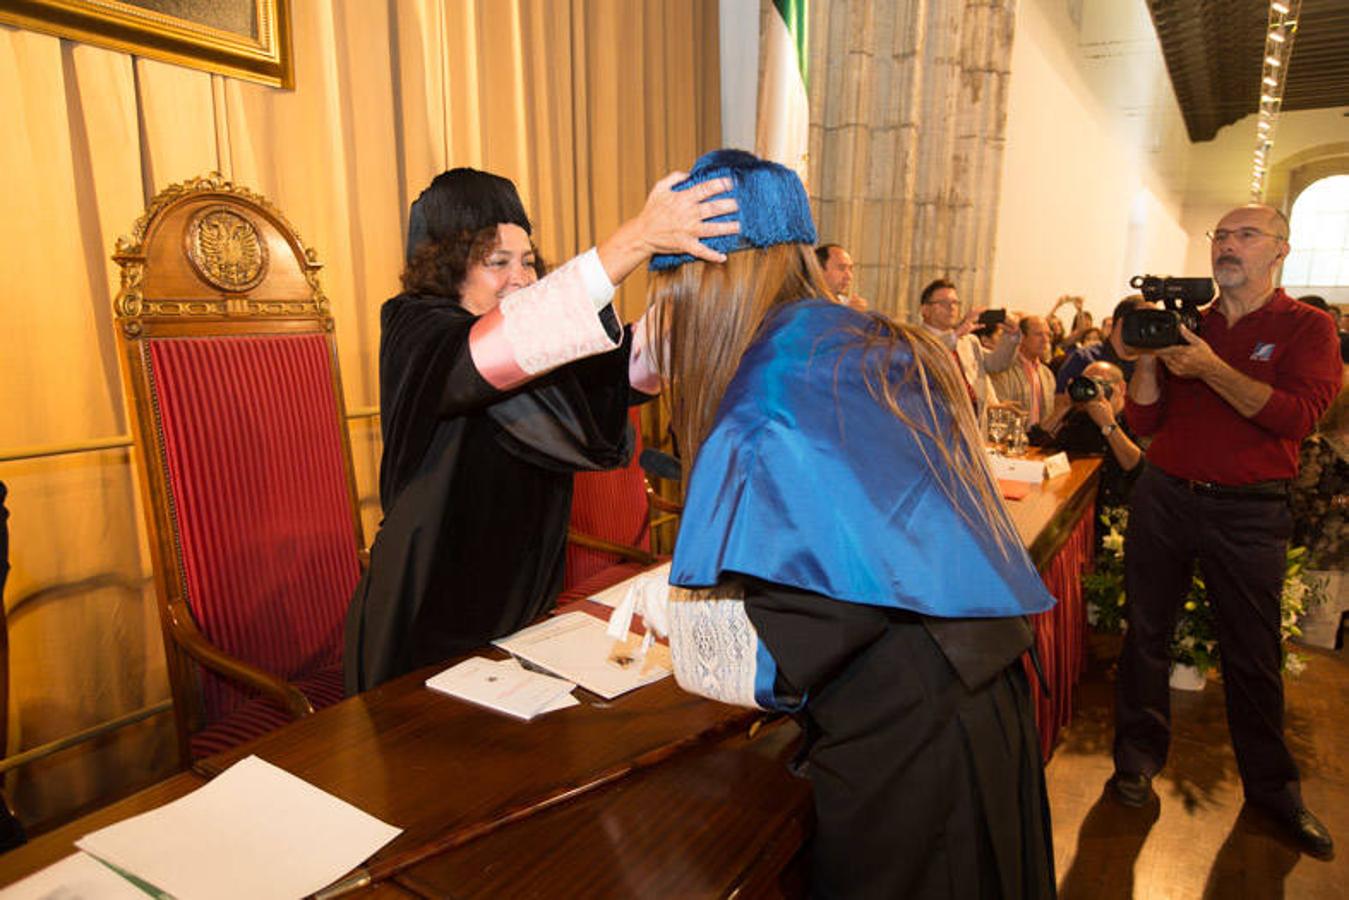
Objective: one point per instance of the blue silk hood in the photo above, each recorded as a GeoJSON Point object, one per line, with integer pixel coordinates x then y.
{"type": "Point", "coordinates": [807, 481]}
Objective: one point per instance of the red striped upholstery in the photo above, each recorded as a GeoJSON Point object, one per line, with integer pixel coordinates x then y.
{"type": "Point", "coordinates": [258, 716]}
{"type": "Point", "coordinates": [611, 506]}
{"type": "Point", "coordinates": [600, 580]}
{"type": "Point", "coordinates": [267, 544]}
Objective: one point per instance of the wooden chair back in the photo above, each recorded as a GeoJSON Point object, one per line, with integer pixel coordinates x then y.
{"type": "Point", "coordinates": [236, 406]}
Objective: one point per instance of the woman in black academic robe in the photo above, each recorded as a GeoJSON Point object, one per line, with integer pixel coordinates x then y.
{"type": "Point", "coordinates": [487, 410]}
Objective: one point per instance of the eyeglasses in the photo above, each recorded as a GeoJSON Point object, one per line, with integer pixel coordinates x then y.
{"type": "Point", "coordinates": [950, 304]}
{"type": "Point", "coordinates": [1243, 235]}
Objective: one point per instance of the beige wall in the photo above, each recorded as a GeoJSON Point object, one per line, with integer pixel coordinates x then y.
{"type": "Point", "coordinates": [1096, 159]}
{"type": "Point", "coordinates": [1100, 181]}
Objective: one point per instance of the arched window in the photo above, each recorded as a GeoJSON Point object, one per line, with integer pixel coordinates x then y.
{"type": "Point", "coordinates": [1320, 236]}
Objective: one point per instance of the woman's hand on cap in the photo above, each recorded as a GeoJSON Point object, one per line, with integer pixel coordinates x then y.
{"type": "Point", "coordinates": [675, 221]}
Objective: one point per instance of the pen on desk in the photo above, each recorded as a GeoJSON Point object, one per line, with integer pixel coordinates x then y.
{"type": "Point", "coordinates": [355, 881]}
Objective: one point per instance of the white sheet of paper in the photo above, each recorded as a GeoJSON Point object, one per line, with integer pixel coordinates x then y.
{"type": "Point", "coordinates": [509, 689]}
{"type": "Point", "coordinates": [575, 647]}
{"type": "Point", "coordinates": [612, 596]}
{"type": "Point", "coordinates": [77, 877]}
{"type": "Point", "coordinates": [254, 831]}
{"type": "Point", "coordinates": [566, 700]}
{"type": "Point", "coordinates": [1031, 470]}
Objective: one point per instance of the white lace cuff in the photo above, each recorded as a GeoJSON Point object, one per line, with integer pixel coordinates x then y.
{"type": "Point", "coordinates": [548, 324]}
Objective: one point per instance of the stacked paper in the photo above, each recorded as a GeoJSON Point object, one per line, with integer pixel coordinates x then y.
{"type": "Point", "coordinates": [254, 831]}
{"type": "Point", "coordinates": [505, 686]}
{"type": "Point", "coordinates": [575, 646]}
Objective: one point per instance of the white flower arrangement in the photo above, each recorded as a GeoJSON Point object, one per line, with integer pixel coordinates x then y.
{"type": "Point", "coordinates": [1195, 642]}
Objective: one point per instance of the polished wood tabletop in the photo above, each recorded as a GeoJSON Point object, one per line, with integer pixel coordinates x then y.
{"type": "Point", "coordinates": [1046, 516]}
{"type": "Point", "coordinates": [655, 793]}
{"type": "Point", "coordinates": [448, 772]}
{"type": "Point", "coordinates": [722, 821]}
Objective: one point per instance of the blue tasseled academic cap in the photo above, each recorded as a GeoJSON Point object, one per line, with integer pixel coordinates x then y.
{"type": "Point", "coordinates": [774, 208]}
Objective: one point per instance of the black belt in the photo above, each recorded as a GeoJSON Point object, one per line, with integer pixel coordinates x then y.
{"type": "Point", "coordinates": [1258, 490]}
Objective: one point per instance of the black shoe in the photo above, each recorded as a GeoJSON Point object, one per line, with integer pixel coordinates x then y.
{"type": "Point", "coordinates": [1132, 788]}
{"type": "Point", "coordinates": [1307, 830]}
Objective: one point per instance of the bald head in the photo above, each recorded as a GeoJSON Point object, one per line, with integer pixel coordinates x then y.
{"type": "Point", "coordinates": [1109, 374]}
{"type": "Point", "coordinates": [1104, 371]}
{"type": "Point", "coordinates": [1248, 244]}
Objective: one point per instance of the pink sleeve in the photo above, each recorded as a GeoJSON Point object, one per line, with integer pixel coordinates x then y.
{"type": "Point", "coordinates": [642, 373]}
{"type": "Point", "coordinates": [548, 324]}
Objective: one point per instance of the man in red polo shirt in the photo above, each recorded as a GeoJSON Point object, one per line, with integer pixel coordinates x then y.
{"type": "Point", "coordinates": [1227, 411]}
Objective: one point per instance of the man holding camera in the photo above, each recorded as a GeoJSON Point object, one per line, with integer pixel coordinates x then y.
{"type": "Point", "coordinates": [939, 309]}
{"type": "Point", "coordinates": [1094, 424]}
{"type": "Point", "coordinates": [1112, 350]}
{"type": "Point", "coordinates": [1227, 408]}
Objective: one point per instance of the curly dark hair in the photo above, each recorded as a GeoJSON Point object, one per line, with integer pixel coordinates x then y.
{"type": "Point", "coordinates": [437, 268]}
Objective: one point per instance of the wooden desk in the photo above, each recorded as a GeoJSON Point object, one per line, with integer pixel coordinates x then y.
{"type": "Point", "coordinates": [1056, 522]}
{"type": "Point", "coordinates": [1046, 517]}
{"type": "Point", "coordinates": [449, 773]}
{"type": "Point", "coordinates": [656, 793]}
{"type": "Point", "coordinates": [670, 831]}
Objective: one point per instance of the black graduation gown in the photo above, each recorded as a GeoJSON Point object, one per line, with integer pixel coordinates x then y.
{"type": "Point", "coordinates": [921, 748]}
{"type": "Point", "coordinates": [476, 485]}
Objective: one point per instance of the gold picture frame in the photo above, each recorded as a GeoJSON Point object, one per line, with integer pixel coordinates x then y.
{"type": "Point", "coordinates": [247, 39]}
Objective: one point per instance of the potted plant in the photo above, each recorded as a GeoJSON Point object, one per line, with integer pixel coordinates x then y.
{"type": "Point", "coordinates": [1194, 645]}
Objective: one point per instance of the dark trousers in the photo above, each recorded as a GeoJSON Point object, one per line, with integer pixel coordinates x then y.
{"type": "Point", "coordinates": [1241, 545]}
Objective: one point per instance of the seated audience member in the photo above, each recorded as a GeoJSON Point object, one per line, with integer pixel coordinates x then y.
{"type": "Point", "coordinates": [1097, 426]}
{"type": "Point", "coordinates": [939, 309]}
{"type": "Point", "coordinates": [1027, 381]}
{"type": "Point", "coordinates": [1320, 303]}
{"type": "Point", "coordinates": [1056, 336]}
{"type": "Point", "coordinates": [902, 667]}
{"type": "Point", "coordinates": [1090, 338]}
{"type": "Point", "coordinates": [495, 388]}
{"type": "Point", "coordinates": [837, 265]}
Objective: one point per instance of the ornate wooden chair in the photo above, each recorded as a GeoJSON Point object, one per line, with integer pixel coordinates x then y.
{"type": "Point", "coordinates": [11, 830]}
{"type": "Point", "coordinates": [231, 372]}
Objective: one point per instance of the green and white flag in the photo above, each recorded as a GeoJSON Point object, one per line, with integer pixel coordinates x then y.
{"type": "Point", "coordinates": [783, 133]}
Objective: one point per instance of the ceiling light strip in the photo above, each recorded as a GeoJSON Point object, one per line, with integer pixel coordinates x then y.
{"type": "Point", "coordinates": [1282, 27]}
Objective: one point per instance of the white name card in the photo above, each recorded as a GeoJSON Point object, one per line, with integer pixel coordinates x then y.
{"type": "Point", "coordinates": [1057, 465]}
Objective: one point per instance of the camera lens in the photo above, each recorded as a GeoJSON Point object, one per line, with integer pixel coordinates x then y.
{"type": "Point", "coordinates": [1081, 389]}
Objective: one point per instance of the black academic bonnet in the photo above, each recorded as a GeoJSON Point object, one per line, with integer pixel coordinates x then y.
{"type": "Point", "coordinates": [463, 200]}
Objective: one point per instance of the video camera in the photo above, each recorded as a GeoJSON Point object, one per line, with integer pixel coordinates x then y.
{"type": "Point", "coordinates": [1084, 389]}
{"type": "Point", "coordinates": [1154, 328]}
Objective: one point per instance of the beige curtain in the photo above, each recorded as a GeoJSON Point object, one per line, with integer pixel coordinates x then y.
{"type": "Point", "coordinates": [908, 111]}
{"type": "Point", "coordinates": [584, 103]}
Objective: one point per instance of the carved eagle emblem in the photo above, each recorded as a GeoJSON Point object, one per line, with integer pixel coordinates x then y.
{"type": "Point", "coordinates": [226, 250]}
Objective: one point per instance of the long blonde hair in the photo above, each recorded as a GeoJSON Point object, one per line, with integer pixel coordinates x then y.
{"type": "Point", "coordinates": [709, 315]}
